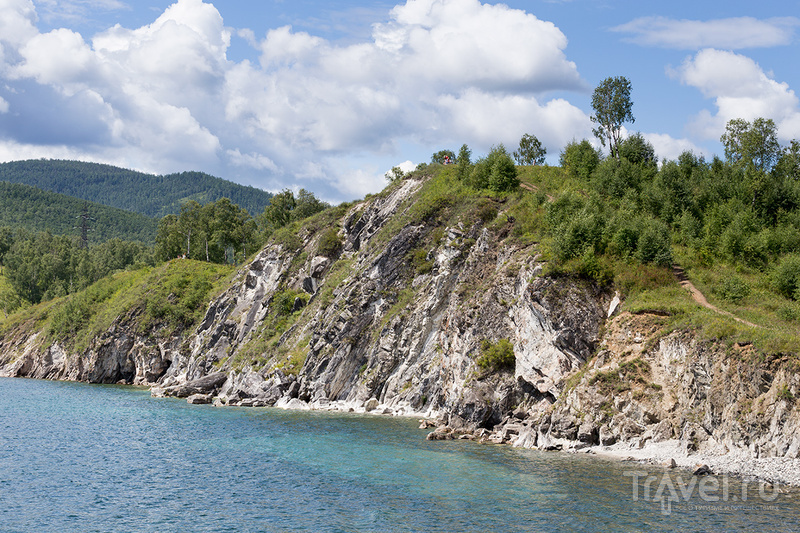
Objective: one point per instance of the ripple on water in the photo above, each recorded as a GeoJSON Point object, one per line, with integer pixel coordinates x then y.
{"type": "Point", "coordinates": [76, 457]}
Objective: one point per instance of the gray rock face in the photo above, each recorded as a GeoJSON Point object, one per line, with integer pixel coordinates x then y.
{"type": "Point", "coordinates": [397, 322]}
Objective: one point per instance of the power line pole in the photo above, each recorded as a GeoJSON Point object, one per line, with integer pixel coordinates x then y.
{"type": "Point", "coordinates": [84, 225]}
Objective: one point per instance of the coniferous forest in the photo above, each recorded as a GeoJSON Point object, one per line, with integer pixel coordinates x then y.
{"type": "Point", "coordinates": [148, 194]}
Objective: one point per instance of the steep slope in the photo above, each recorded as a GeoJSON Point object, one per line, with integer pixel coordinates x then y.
{"type": "Point", "coordinates": [423, 305]}
{"type": "Point", "coordinates": [147, 194]}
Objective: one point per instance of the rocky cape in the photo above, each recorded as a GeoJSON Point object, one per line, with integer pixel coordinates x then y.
{"type": "Point", "coordinates": [396, 318]}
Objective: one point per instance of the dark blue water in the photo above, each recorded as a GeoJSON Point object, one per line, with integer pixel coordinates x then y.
{"type": "Point", "coordinates": [77, 457]}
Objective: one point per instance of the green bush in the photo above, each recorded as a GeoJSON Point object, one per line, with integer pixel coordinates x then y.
{"type": "Point", "coordinates": [580, 159]}
{"type": "Point", "coordinates": [496, 356]}
{"type": "Point", "coordinates": [329, 243]}
{"type": "Point", "coordinates": [496, 172]}
{"type": "Point", "coordinates": [419, 258]}
{"type": "Point", "coordinates": [654, 245]}
{"type": "Point", "coordinates": [733, 289]}
{"type": "Point", "coordinates": [282, 303]}
{"type": "Point", "coordinates": [486, 211]}
{"type": "Point", "coordinates": [579, 235]}
{"type": "Point", "coordinates": [786, 277]}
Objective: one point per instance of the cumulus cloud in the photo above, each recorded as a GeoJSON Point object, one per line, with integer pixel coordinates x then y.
{"type": "Point", "coordinates": [669, 148]}
{"type": "Point", "coordinates": [740, 89]}
{"type": "Point", "coordinates": [167, 96]}
{"type": "Point", "coordinates": [729, 33]}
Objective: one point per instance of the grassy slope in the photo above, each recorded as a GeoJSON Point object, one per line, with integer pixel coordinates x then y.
{"type": "Point", "coordinates": [164, 301]}
{"type": "Point", "coordinates": [649, 288]}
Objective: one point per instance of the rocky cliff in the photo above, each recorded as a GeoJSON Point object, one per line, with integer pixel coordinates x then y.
{"type": "Point", "coordinates": [448, 317]}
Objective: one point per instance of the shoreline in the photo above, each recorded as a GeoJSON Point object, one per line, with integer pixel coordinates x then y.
{"type": "Point", "coordinates": [738, 463]}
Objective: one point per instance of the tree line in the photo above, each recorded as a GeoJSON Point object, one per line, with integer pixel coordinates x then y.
{"type": "Point", "coordinates": [138, 192]}
{"type": "Point", "coordinates": [25, 206]}
{"type": "Point", "coordinates": [43, 265]}
{"type": "Point", "coordinates": [743, 208]}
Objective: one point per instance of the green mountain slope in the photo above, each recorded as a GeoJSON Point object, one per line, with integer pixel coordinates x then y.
{"type": "Point", "coordinates": [148, 194]}
{"type": "Point", "coordinates": [24, 206]}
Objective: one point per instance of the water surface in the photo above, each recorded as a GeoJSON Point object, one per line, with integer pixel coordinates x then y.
{"type": "Point", "coordinates": [77, 457]}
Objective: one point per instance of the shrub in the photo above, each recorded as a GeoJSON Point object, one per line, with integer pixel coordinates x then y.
{"type": "Point", "coordinates": [283, 302]}
{"type": "Point", "coordinates": [486, 211]}
{"type": "Point", "coordinates": [580, 159]}
{"type": "Point", "coordinates": [733, 289]}
{"type": "Point", "coordinates": [329, 243]}
{"type": "Point", "coordinates": [786, 277]}
{"type": "Point", "coordinates": [419, 258]}
{"type": "Point", "coordinates": [578, 236]}
{"type": "Point", "coordinates": [654, 245]}
{"type": "Point", "coordinates": [496, 172]}
{"type": "Point", "coordinates": [496, 356]}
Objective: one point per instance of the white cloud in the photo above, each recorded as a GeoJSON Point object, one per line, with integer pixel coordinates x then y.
{"type": "Point", "coordinates": [251, 160]}
{"type": "Point", "coordinates": [740, 89]}
{"type": "Point", "coordinates": [668, 148]}
{"type": "Point", "coordinates": [17, 22]}
{"type": "Point", "coordinates": [4, 107]}
{"type": "Point", "coordinates": [491, 119]}
{"type": "Point", "coordinates": [464, 42]}
{"type": "Point", "coordinates": [166, 96]}
{"type": "Point", "coordinates": [729, 33]}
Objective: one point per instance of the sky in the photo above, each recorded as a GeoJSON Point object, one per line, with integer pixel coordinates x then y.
{"type": "Point", "coordinates": [329, 96]}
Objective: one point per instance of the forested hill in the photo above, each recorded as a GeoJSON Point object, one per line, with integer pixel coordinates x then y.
{"type": "Point", "coordinates": [24, 206]}
{"type": "Point", "coordinates": [148, 194]}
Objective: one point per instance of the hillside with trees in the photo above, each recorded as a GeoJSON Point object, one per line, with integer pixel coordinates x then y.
{"type": "Point", "coordinates": [148, 194]}
{"type": "Point", "coordinates": [36, 210]}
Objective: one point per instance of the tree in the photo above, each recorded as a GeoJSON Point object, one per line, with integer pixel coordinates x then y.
{"type": "Point", "coordinates": [306, 205]}
{"type": "Point", "coordinates": [394, 175]}
{"type": "Point", "coordinates": [753, 144]}
{"type": "Point", "coordinates": [530, 152]}
{"type": "Point", "coordinates": [612, 106]}
{"type": "Point", "coordinates": [788, 165]}
{"type": "Point", "coordinates": [638, 151]}
{"type": "Point", "coordinates": [443, 155]}
{"type": "Point", "coordinates": [755, 149]}
{"type": "Point", "coordinates": [464, 164]}
{"type": "Point", "coordinates": [279, 211]}
{"type": "Point", "coordinates": [496, 171]}
{"type": "Point", "coordinates": [580, 159]}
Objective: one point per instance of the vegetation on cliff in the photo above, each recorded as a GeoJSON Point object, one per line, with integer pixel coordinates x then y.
{"type": "Point", "coordinates": [620, 222]}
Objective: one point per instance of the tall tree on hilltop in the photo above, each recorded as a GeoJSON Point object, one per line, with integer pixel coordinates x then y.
{"type": "Point", "coordinates": [530, 151]}
{"type": "Point", "coordinates": [612, 106]}
{"type": "Point", "coordinates": [754, 148]}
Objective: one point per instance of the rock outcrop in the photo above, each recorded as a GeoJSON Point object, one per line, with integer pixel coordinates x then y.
{"type": "Point", "coordinates": [397, 321]}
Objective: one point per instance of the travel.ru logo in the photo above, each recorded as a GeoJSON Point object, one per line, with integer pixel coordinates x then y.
{"type": "Point", "coordinates": [714, 491]}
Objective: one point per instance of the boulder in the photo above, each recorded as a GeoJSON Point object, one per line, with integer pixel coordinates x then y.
{"type": "Point", "coordinates": [199, 399]}
{"type": "Point", "coordinates": [204, 385]}
{"type": "Point", "coordinates": [371, 404]}
{"type": "Point", "coordinates": [703, 470]}
{"type": "Point", "coordinates": [606, 436]}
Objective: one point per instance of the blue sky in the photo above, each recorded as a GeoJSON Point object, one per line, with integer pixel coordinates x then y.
{"type": "Point", "coordinates": [329, 96]}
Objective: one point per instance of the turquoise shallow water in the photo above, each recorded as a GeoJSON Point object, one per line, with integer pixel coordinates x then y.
{"type": "Point", "coordinates": [76, 457]}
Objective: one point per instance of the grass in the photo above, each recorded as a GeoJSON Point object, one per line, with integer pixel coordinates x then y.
{"type": "Point", "coordinates": [165, 300]}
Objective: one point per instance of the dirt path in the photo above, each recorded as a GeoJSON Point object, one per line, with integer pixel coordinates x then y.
{"type": "Point", "coordinates": [698, 296]}
{"type": "Point", "coordinates": [534, 188]}
{"type": "Point", "coordinates": [680, 275]}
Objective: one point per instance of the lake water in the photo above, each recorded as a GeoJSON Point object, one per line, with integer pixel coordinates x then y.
{"type": "Point", "coordinates": [77, 457]}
